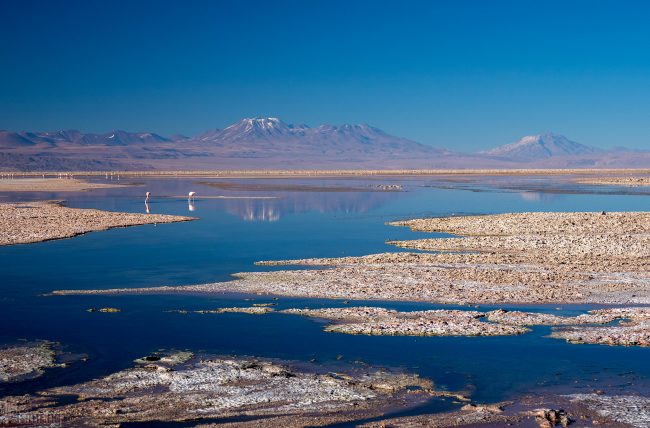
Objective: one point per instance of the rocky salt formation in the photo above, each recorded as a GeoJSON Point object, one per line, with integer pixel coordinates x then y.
{"type": "Point", "coordinates": [104, 310]}
{"type": "Point", "coordinates": [640, 313]}
{"type": "Point", "coordinates": [161, 360]}
{"type": "Point", "coordinates": [524, 258]}
{"type": "Point", "coordinates": [197, 389]}
{"type": "Point", "coordinates": [23, 223]}
{"type": "Point", "coordinates": [453, 283]}
{"type": "Point", "coordinates": [387, 322]}
{"type": "Point", "coordinates": [633, 331]}
{"type": "Point", "coordinates": [444, 322]}
{"type": "Point", "coordinates": [534, 223]}
{"type": "Point", "coordinates": [617, 181]}
{"type": "Point", "coordinates": [635, 334]}
{"type": "Point", "coordinates": [593, 242]}
{"type": "Point", "coordinates": [254, 310]}
{"type": "Point", "coordinates": [543, 411]}
{"type": "Point", "coordinates": [630, 410]}
{"type": "Point", "coordinates": [539, 318]}
{"type": "Point", "coordinates": [478, 415]}
{"type": "Point", "coordinates": [26, 361]}
{"type": "Point", "coordinates": [535, 258]}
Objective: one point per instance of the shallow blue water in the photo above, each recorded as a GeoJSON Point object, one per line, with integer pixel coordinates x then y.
{"type": "Point", "coordinates": [234, 233]}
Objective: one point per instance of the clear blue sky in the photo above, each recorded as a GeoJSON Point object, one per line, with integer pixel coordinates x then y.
{"type": "Point", "coordinates": [462, 74]}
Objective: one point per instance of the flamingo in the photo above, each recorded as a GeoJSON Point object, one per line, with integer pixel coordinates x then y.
{"type": "Point", "coordinates": [146, 199]}
{"type": "Point", "coordinates": [190, 196]}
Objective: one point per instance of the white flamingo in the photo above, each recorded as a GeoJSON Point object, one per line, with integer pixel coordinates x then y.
{"type": "Point", "coordinates": [190, 196]}
{"type": "Point", "coordinates": [146, 199]}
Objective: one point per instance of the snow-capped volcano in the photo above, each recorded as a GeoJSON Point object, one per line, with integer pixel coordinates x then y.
{"type": "Point", "coordinates": [265, 136]}
{"type": "Point", "coordinates": [538, 147]}
{"type": "Point", "coordinates": [258, 127]}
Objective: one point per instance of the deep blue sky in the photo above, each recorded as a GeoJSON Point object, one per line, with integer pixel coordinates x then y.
{"type": "Point", "coordinates": [461, 74]}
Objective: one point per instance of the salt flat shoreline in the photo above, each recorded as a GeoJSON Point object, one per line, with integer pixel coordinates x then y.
{"type": "Point", "coordinates": [551, 258]}
{"type": "Point", "coordinates": [523, 258]}
{"type": "Point", "coordinates": [629, 181]}
{"type": "Point", "coordinates": [535, 258]}
{"type": "Point", "coordinates": [31, 222]}
{"type": "Point", "coordinates": [176, 386]}
{"type": "Point", "coordinates": [278, 173]}
{"type": "Point", "coordinates": [50, 184]}
{"type": "Point", "coordinates": [26, 361]}
{"type": "Point", "coordinates": [181, 386]}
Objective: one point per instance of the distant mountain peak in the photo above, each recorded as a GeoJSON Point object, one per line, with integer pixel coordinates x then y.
{"type": "Point", "coordinates": [263, 122]}
{"type": "Point", "coordinates": [260, 136]}
{"type": "Point", "coordinates": [269, 142]}
{"type": "Point", "coordinates": [538, 147]}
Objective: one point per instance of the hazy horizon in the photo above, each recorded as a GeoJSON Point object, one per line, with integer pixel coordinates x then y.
{"type": "Point", "coordinates": [208, 129]}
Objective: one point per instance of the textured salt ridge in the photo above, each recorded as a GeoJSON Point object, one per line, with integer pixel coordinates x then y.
{"type": "Point", "coordinates": [180, 387]}
{"type": "Point", "coordinates": [23, 223]}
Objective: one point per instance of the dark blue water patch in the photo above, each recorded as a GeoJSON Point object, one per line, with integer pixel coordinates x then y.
{"type": "Point", "coordinates": [432, 406]}
{"type": "Point", "coordinates": [234, 233]}
{"type": "Point", "coordinates": [492, 368]}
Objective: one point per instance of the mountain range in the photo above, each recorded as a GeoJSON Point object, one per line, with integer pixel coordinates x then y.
{"type": "Point", "coordinates": [271, 143]}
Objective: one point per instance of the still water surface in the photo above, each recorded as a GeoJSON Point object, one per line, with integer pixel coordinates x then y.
{"type": "Point", "coordinates": [234, 233]}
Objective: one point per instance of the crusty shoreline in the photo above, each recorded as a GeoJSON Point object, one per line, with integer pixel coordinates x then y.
{"type": "Point", "coordinates": [279, 173]}
{"type": "Point", "coordinates": [533, 258]}
{"type": "Point", "coordinates": [246, 391]}
{"type": "Point", "coordinates": [50, 185]}
{"type": "Point", "coordinates": [184, 387]}
{"type": "Point", "coordinates": [524, 258]}
{"type": "Point", "coordinates": [627, 326]}
{"type": "Point", "coordinates": [23, 223]}
{"type": "Point", "coordinates": [544, 411]}
{"type": "Point", "coordinates": [26, 361]}
{"type": "Point", "coordinates": [451, 322]}
{"type": "Point", "coordinates": [629, 181]}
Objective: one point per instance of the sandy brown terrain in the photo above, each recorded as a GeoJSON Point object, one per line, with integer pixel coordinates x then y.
{"type": "Point", "coordinates": [49, 185]}
{"type": "Point", "coordinates": [23, 223]}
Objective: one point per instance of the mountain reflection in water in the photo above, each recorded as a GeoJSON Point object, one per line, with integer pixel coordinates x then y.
{"type": "Point", "coordinates": [530, 196]}
{"type": "Point", "coordinates": [269, 210]}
